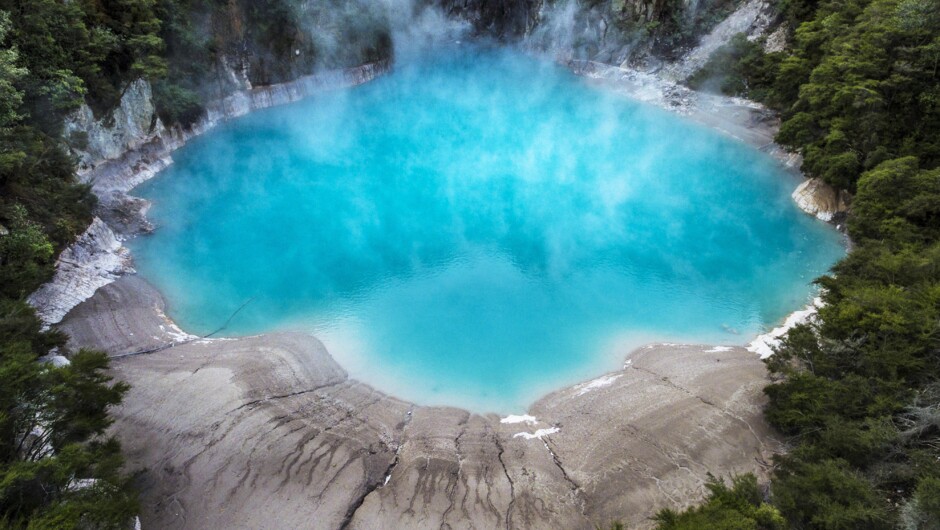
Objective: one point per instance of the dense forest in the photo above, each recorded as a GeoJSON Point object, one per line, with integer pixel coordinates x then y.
{"type": "Point", "coordinates": [856, 392]}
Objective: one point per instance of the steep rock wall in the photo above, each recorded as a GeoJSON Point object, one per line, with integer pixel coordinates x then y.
{"type": "Point", "coordinates": [753, 18]}
{"type": "Point", "coordinates": [620, 32]}
{"type": "Point", "coordinates": [503, 19]}
{"type": "Point", "coordinates": [134, 122]}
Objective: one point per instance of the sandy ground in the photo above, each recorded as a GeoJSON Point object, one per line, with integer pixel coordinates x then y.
{"type": "Point", "coordinates": [270, 432]}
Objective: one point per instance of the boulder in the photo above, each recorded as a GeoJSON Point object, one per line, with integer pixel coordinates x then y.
{"type": "Point", "coordinates": [817, 198]}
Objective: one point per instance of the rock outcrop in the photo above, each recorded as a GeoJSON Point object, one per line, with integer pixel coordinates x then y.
{"type": "Point", "coordinates": [269, 432]}
{"type": "Point", "coordinates": [619, 32]}
{"type": "Point", "coordinates": [821, 200]}
{"type": "Point", "coordinates": [753, 18]}
{"type": "Point", "coordinates": [777, 40]}
{"type": "Point", "coordinates": [96, 259]}
{"type": "Point", "coordinates": [503, 19]}
{"type": "Point", "coordinates": [127, 127]}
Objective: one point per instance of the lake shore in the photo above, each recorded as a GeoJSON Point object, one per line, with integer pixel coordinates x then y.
{"type": "Point", "coordinates": [242, 432]}
{"type": "Point", "coordinates": [739, 118]}
{"type": "Point", "coordinates": [237, 433]}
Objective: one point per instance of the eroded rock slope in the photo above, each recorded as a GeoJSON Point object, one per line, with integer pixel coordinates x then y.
{"type": "Point", "coordinates": [269, 432]}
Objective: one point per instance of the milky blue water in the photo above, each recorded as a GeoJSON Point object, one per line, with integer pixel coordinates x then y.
{"type": "Point", "coordinates": [478, 228]}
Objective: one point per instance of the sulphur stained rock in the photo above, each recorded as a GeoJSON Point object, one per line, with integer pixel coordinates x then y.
{"type": "Point", "coordinates": [817, 198]}
{"type": "Point", "coordinates": [96, 259]}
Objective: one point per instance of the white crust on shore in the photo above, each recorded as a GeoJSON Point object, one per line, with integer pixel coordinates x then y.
{"type": "Point", "coordinates": [765, 344]}
{"type": "Point", "coordinates": [519, 418]}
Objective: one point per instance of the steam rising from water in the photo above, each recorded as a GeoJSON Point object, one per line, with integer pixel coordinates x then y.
{"type": "Point", "coordinates": [478, 228]}
{"type": "Point", "coordinates": [412, 25]}
{"type": "Point", "coordinates": [570, 29]}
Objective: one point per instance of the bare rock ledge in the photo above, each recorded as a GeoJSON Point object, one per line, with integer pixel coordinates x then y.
{"type": "Point", "coordinates": [269, 432]}
{"type": "Point", "coordinates": [819, 199]}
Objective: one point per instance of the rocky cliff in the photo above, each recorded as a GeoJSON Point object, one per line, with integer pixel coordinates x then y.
{"type": "Point", "coordinates": [752, 17]}
{"type": "Point", "coordinates": [502, 19]}
{"type": "Point", "coordinates": [133, 123]}
{"type": "Point", "coordinates": [93, 261]}
{"type": "Point", "coordinates": [620, 32]}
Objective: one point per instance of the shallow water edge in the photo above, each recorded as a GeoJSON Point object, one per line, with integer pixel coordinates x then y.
{"type": "Point", "coordinates": [223, 426]}
{"type": "Point", "coordinates": [113, 179]}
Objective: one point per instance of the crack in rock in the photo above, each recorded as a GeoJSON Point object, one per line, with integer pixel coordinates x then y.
{"type": "Point", "coordinates": [453, 490]}
{"type": "Point", "coordinates": [512, 487]}
{"type": "Point", "coordinates": [575, 487]}
{"type": "Point", "coordinates": [284, 396]}
{"type": "Point", "coordinates": [376, 484]}
{"type": "Point", "coordinates": [721, 409]}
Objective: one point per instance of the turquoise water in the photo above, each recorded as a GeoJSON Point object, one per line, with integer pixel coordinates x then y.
{"type": "Point", "coordinates": [478, 228]}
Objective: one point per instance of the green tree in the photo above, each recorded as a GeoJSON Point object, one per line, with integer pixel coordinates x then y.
{"type": "Point", "coordinates": [828, 494]}
{"type": "Point", "coordinates": [26, 255]}
{"type": "Point", "coordinates": [739, 507]}
{"type": "Point", "coordinates": [11, 98]}
{"type": "Point", "coordinates": [856, 389]}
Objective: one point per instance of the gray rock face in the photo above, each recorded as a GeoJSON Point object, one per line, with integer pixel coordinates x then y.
{"type": "Point", "coordinates": [753, 18]}
{"type": "Point", "coordinates": [821, 200]}
{"type": "Point", "coordinates": [137, 320]}
{"type": "Point", "coordinates": [131, 124]}
{"type": "Point", "coordinates": [503, 19]}
{"type": "Point", "coordinates": [269, 432]}
{"type": "Point", "coordinates": [94, 260]}
{"type": "Point", "coordinates": [777, 40]}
